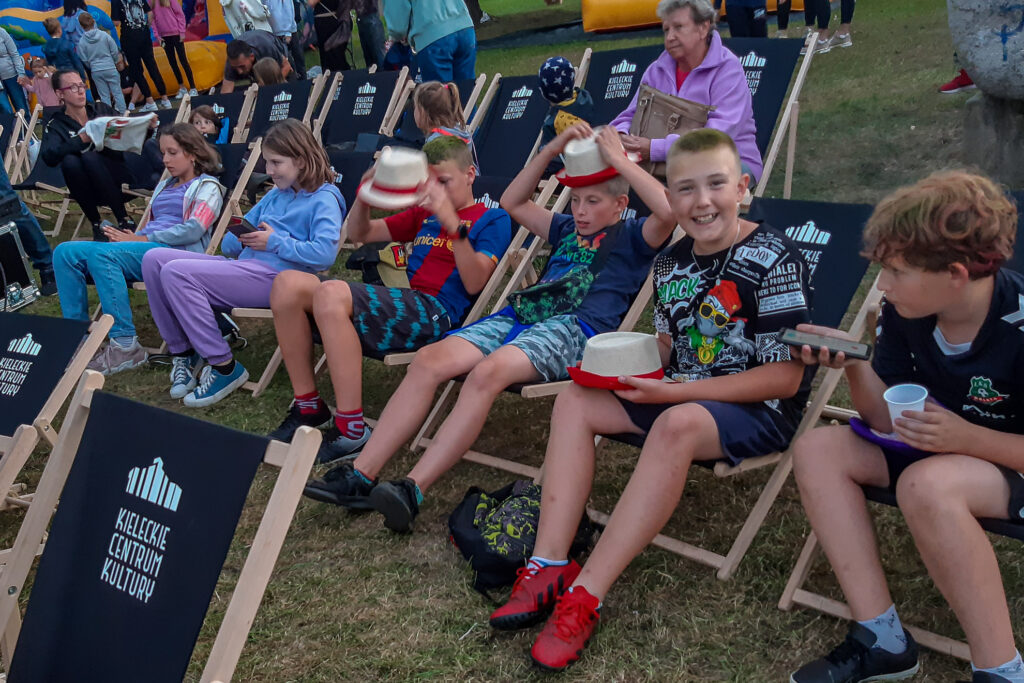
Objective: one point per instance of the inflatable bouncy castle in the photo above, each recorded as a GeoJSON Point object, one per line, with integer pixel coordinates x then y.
{"type": "Point", "coordinates": [623, 15]}
{"type": "Point", "coordinates": [205, 34]}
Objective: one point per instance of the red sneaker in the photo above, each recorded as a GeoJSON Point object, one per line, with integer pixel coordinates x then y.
{"type": "Point", "coordinates": [563, 638]}
{"type": "Point", "coordinates": [533, 595]}
{"type": "Point", "coordinates": [960, 83]}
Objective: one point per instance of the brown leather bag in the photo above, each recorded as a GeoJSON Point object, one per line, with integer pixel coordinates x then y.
{"type": "Point", "coordinates": [659, 115]}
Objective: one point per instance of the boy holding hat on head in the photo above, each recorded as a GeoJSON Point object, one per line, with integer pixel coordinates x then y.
{"type": "Point", "coordinates": [456, 244]}
{"type": "Point", "coordinates": [721, 295]}
{"type": "Point", "coordinates": [598, 263]}
{"type": "Point", "coordinates": [952, 322]}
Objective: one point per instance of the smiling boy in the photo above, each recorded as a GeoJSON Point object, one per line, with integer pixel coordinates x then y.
{"type": "Point", "coordinates": [722, 293]}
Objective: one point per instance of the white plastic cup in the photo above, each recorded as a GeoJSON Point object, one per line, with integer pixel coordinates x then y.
{"type": "Point", "coordinates": [902, 397]}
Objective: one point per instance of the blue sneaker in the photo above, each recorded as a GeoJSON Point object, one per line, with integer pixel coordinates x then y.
{"type": "Point", "coordinates": [184, 374]}
{"type": "Point", "coordinates": [214, 386]}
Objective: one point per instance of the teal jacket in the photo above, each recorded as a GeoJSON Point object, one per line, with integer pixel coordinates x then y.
{"type": "Point", "coordinates": [421, 22]}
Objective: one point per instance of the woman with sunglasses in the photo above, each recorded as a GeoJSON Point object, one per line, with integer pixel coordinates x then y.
{"type": "Point", "coordinates": [92, 177]}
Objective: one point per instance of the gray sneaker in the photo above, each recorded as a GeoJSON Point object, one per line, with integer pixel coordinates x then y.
{"type": "Point", "coordinates": [112, 358]}
{"type": "Point", "coordinates": [184, 374]}
{"type": "Point", "coordinates": [842, 40]}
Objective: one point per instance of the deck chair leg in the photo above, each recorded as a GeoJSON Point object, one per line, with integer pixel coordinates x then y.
{"type": "Point", "coordinates": [25, 440]}
{"type": "Point", "coordinates": [446, 398]}
{"type": "Point", "coordinates": [10, 638]}
{"type": "Point", "coordinates": [260, 386]}
{"type": "Point", "coordinates": [756, 517]}
{"type": "Point", "coordinates": [787, 185]}
{"type": "Point", "coordinates": [800, 572]}
{"type": "Point", "coordinates": [320, 364]}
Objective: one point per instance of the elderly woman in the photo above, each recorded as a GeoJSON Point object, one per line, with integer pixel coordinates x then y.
{"type": "Point", "coordinates": [697, 67]}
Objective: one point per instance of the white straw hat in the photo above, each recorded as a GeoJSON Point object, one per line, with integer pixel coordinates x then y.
{"type": "Point", "coordinates": [584, 164]}
{"type": "Point", "coordinates": [612, 355]}
{"type": "Point", "coordinates": [395, 183]}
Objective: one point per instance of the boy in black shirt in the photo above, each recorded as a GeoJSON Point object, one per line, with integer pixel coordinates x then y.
{"type": "Point", "coordinates": [722, 294]}
{"type": "Point", "coordinates": [952, 322]}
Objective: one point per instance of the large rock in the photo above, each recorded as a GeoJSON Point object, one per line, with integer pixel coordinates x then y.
{"type": "Point", "coordinates": [994, 138]}
{"type": "Point", "coordinates": [989, 40]}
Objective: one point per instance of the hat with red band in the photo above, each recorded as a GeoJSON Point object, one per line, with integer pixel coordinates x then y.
{"type": "Point", "coordinates": [584, 164]}
{"type": "Point", "coordinates": [396, 180]}
{"type": "Point", "coordinates": [612, 355]}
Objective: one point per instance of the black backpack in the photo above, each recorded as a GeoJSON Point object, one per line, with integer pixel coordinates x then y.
{"type": "Point", "coordinates": [496, 532]}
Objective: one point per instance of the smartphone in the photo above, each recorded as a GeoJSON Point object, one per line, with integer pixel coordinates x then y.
{"type": "Point", "coordinates": [238, 226]}
{"type": "Point", "coordinates": [855, 350]}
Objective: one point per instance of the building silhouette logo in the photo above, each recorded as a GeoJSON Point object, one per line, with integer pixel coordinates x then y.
{"type": "Point", "coordinates": [808, 233]}
{"type": "Point", "coordinates": [752, 60]}
{"type": "Point", "coordinates": [624, 67]}
{"type": "Point", "coordinates": [487, 201]}
{"type": "Point", "coordinates": [217, 109]}
{"type": "Point", "coordinates": [283, 97]}
{"type": "Point", "coordinates": [153, 485]}
{"type": "Point", "coordinates": [522, 92]}
{"type": "Point", "coordinates": [25, 346]}
{"type": "Point", "coordinates": [367, 89]}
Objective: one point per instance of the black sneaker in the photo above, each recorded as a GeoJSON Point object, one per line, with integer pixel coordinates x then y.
{"type": "Point", "coordinates": [341, 486]}
{"type": "Point", "coordinates": [396, 500]}
{"type": "Point", "coordinates": [336, 447]}
{"type": "Point", "coordinates": [856, 660]}
{"type": "Point", "coordinates": [47, 282]}
{"type": "Point", "coordinates": [126, 224]}
{"type": "Point", "coordinates": [295, 419]}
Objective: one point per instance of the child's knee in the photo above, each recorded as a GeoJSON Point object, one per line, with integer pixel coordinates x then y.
{"type": "Point", "coordinates": [293, 288]}
{"type": "Point", "coordinates": [428, 360]}
{"type": "Point", "coordinates": [572, 403]}
{"type": "Point", "coordinates": [679, 424]}
{"type": "Point", "coordinates": [928, 484]}
{"type": "Point", "coordinates": [333, 297]}
{"type": "Point", "coordinates": [490, 375]}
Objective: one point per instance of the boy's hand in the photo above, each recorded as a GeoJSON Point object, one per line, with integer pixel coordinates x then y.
{"type": "Point", "coordinates": [823, 356]}
{"type": "Point", "coordinates": [611, 147]}
{"type": "Point", "coordinates": [934, 429]}
{"type": "Point", "coordinates": [434, 199]}
{"type": "Point", "coordinates": [649, 390]}
{"type": "Point", "coordinates": [257, 240]}
{"type": "Point", "coordinates": [635, 144]}
{"type": "Point", "coordinates": [576, 131]}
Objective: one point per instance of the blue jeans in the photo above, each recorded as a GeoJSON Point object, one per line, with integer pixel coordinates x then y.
{"type": "Point", "coordinates": [111, 265]}
{"type": "Point", "coordinates": [452, 58]}
{"type": "Point", "coordinates": [16, 94]}
{"type": "Point", "coordinates": [32, 238]}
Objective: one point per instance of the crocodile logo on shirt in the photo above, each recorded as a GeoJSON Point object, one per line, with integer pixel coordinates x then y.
{"type": "Point", "coordinates": [983, 392]}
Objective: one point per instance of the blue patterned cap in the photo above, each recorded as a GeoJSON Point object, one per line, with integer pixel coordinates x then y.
{"type": "Point", "coordinates": [556, 78]}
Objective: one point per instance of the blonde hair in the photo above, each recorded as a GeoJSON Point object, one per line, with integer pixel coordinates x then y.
{"type": "Point", "coordinates": [291, 138]}
{"type": "Point", "coordinates": [267, 71]}
{"type": "Point", "coordinates": [949, 217]}
{"type": "Point", "coordinates": [440, 105]}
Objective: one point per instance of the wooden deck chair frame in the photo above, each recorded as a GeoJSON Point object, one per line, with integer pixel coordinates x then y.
{"type": "Point", "coordinates": [315, 90]}
{"type": "Point", "coordinates": [391, 114]}
{"type": "Point", "coordinates": [294, 462]}
{"type": "Point", "coordinates": [20, 171]}
{"type": "Point", "coordinates": [17, 448]}
{"type": "Point", "coordinates": [13, 151]}
{"type": "Point", "coordinates": [238, 132]}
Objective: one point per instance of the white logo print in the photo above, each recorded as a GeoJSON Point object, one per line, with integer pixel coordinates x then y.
{"type": "Point", "coordinates": [766, 257]}
{"type": "Point", "coordinates": [25, 346]}
{"type": "Point", "coordinates": [752, 59]}
{"type": "Point", "coordinates": [624, 67]}
{"type": "Point", "coordinates": [283, 97]}
{"type": "Point", "coordinates": [522, 92]}
{"type": "Point", "coordinates": [217, 109]}
{"type": "Point", "coordinates": [808, 233]}
{"type": "Point", "coordinates": [367, 89]}
{"type": "Point", "coordinates": [487, 201]}
{"type": "Point", "coordinates": [153, 485]}
{"type": "Point", "coordinates": [1017, 316]}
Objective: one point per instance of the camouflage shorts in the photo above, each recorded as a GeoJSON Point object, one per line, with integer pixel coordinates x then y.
{"type": "Point", "coordinates": [551, 345]}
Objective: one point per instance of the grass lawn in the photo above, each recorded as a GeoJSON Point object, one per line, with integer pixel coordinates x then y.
{"type": "Point", "coordinates": [351, 601]}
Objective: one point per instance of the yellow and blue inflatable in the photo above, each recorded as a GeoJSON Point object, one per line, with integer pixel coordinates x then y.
{"type": "Point", "coordinates": [623, 15]}
{"type": "Point", "coordinates": [23, 20]}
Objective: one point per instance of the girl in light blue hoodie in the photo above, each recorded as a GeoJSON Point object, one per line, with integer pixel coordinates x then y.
{"type": "Point", "coordinates": [298, 227]}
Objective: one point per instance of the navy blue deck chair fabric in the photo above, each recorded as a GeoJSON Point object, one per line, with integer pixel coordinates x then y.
{"type": "Point", "coordinates": [768, 65]}
{"type": "Point", "coordinates": [359, 104]}
{"type": "Point", "coordinates": [349, 168]}
{"type": "Point", "coordinates": [137, 543]}
{"type": "Point", "coordinates": [511, 126]}
{"type": "Point", "coordinates": [614, 77]}
{"type": "Point", "coordinates": [279, 102]}
{"type": "Point", "coordinates": [164, 116]}
{"type": "Point", "coordinates": [7, 121]}
{"type": "Point", "coordinates": [34, 351]}
{"type": "Point", "coordinates": [224, 105]}
{"type": "Point", "coordinates": [41, 174]}
{"type": "Point", "coordinates": [232, 160]}
{"type": "Point", "coordinates": [407, 133]}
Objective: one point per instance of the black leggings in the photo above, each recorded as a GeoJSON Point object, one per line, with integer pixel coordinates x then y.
{"type": "Point", "coordinates": [744, 22]}
{"type": "Point", "coordinates": [94, 180]}
{"type": "Point", "coordinates": [822, 11]}
{"type": "Point", "coordinates": [138, 50]}
{"type": "Point", "coordinates": [175, 50]}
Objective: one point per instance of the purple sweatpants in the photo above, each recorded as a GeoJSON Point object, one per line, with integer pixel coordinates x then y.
{"type": "Point", "coordinates": [184, 288]}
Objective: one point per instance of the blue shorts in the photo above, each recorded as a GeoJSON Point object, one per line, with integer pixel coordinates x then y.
{"type": "Point", "coordinates": [745, 430]}
{"type": "Point", "coordinates": [551, 345]}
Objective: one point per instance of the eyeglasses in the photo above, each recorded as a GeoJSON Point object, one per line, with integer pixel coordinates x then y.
{"type": "Point", "coordinates": [74, 87]}
{"type": "Point", "coordinates": [708, 312]}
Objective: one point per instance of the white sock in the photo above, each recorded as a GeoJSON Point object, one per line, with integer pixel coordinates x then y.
{"type": "Point", "coordinates": [536, 563]}
{"type": "Point", "coordinates": [1012, 671]}
{"type": "Point", "coordinates": [124, 343]}
{"type": "Point", "coordinates": [888, 630]}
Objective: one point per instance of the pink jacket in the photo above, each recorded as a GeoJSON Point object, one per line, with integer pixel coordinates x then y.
{"type": "Point", "coordinates": [168, 21]}
{"type": "Point", "coordinates": [718, 80]}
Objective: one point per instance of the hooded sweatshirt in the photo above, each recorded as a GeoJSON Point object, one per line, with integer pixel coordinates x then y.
{"type": "Point", "coordinates": [307, 229]}
{"type": "Point", "coordinates": [421, 22]}
{"type": "Point", "coordinates": [98, 51]}
{"type": "Point", "coordinates": [204, 198]}
{"type": "Point", "coordinates": [168, 21]}
{"type": "Point", "coordinates": [11, 63]}
{"type": "Point", "coordinates": [718, 81]}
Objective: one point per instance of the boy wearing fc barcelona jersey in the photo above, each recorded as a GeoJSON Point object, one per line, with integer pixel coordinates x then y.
{"type": "Point", "coordinates": [953, 321]}
{"type": "Point", "coordinates": [456, 244]}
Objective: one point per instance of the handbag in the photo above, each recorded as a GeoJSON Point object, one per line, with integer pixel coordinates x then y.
{"type": "Point", "coordinates": [659, 115]}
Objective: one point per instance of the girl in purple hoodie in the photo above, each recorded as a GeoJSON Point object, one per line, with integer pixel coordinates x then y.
{"type": "Point", "coordinates": [697, 67]}
{"type": "Point", "coordinates": [169, 23]}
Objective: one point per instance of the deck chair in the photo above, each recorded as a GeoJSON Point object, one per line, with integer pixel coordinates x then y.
{"type": "Point", "coordinates": [49, 179]}
{"type": "Point", "coordinates": [275, 103]}
{"type": "Point", "coordinates": [140, 536]}
{"type": "Point", "coordinates": [507, 128]}
{"type": "Point", "coordinates": [613, 77]}
{"type": "Point", "coordinates": [358, 102]}
{"type": "Point", "coordinates": [9, 126]}
{"type": "Point", "coordinates": [236, 106]}
{"type": "Point", "coordinates": [406, 131]}
{"type": "Point", "coordinates": [42, 362]}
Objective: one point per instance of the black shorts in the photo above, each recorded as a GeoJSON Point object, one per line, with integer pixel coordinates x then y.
{"type": "Point", "coordinates": [896, 462]}
{"type": "Point", "coordinates": [390, 319]}
{"type": "Point", "coordinates": [745, 430]}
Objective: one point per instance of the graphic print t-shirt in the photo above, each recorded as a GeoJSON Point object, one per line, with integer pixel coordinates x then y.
{"type": "Point", "coordinates": [614, 288]}
{"type": "Point", "coordinates": [132, 13]}
{"type": "Point", "coordinates": [725, 320]}
{"type": "Point", "coordinates": [985, 384]}
{"type": "Point", "coordinates": [431, 268]}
